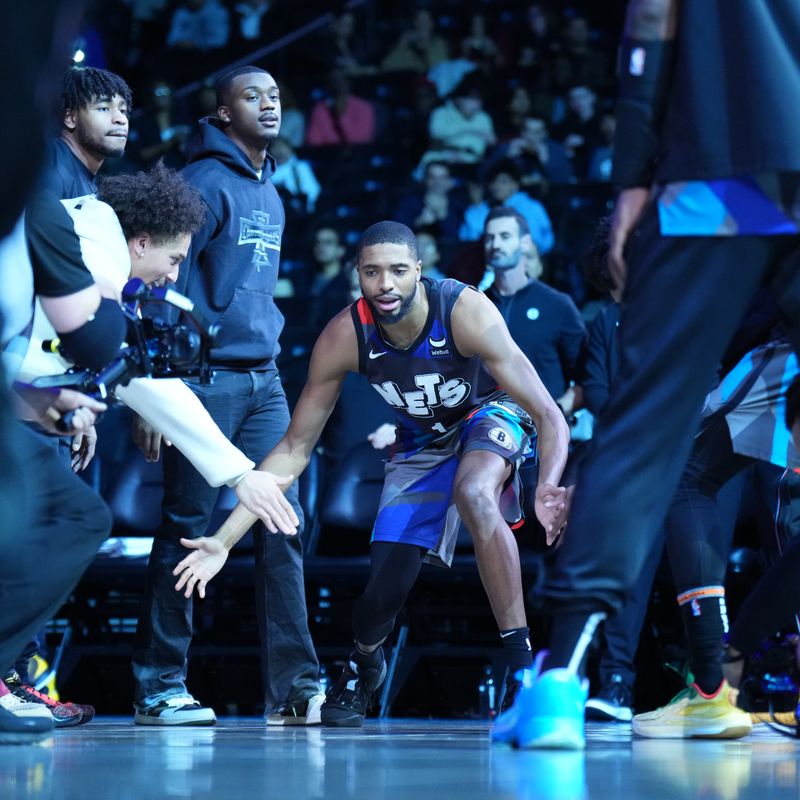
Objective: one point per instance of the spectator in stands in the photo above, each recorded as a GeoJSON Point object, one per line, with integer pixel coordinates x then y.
{"type": "Point", "coordinates": [518, 108]}
{"type": "Point", "coordinates": [420, 48]}
{"type": "Point", "coordinates": [328, 254]}
{"type": "Point", "coordinates": [158, 133]}
{"type": "Point", "coordinates": [293, 124]}
{"type": "Point", "coordinates": [580, 132]}
{"type": "Point", "coordinates": [539, 159]}
{"type": "Point", "coordinates": [480, 44]}
{"type": "Point", "coordinates": [411, 131]}
{"type": "Point", "coordinates": [504, 189]}
{"type": "Point", "coordinates": [534, 41]}
{"type": "Point", "coordinates": [460, 130]}
{"type": "Point", "coordinates": [600, 161]}
{"type": "Point", "coordinates": [337, 291]}
{"type": "Point", "coordinates": [294, 177]}
{"type": "Point", "coordinates": [447, 75]}
{"type": "Point", "coordinates": [429, 256]}
{"type": "Point", "coordinates": [438, 207]}
{"type": "Point", "coordinates": [339, 49]}
{"type": "Point", "coordinates": [588, 65]}
{"type": "Point", "coordinates": [248, 17]}
{"type": "Point", "coordinates": [544, 323]}
{"type": "Point", "coordinates": [199, 25]}
{"type": "Point", "coordinates": [341, 118]}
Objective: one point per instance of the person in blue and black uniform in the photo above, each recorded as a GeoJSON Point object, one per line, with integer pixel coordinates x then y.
{"type": "Point", "coordinates": [469, 407]}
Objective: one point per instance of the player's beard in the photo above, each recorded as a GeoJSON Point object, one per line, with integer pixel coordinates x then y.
{"type": "Point", "coordinates": [400, 313]}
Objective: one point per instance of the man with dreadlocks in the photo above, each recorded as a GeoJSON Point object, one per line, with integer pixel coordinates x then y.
{"type": "Point", "coordinates": [93, 113]}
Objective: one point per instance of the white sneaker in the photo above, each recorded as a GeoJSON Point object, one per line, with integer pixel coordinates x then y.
{"type": "Point", "coordinates": [179, 710]}
{"type": "Point", "coordinates": [20, 708]}
{"type": "Point", "coordinates": [302, 712]}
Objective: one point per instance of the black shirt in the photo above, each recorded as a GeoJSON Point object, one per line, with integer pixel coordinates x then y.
{"type": "Point", "coordinates": [548, 328]}
{"type": "Point", "coordinates": [602, 358]}
{"type": "Point", "coordinates": [64, 174]}
{"type": "Point", "coordinates": [55, 249]}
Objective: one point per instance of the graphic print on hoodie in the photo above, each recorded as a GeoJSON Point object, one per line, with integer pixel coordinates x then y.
{"type": "Point", "coordinates": [232, 266]}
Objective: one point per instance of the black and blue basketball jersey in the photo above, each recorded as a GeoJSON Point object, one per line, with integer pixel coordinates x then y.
{"type": "Point", "coordinates": [430, 385]}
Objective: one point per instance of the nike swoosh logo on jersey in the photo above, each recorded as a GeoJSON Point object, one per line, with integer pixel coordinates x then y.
{"type": "Point", "coordinates": [436, 342]}
{"type": "Point", "coordinates": [373, 354]}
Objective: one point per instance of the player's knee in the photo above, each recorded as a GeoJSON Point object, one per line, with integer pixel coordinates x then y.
{"type": "Point", "coordinates": [474, 499]}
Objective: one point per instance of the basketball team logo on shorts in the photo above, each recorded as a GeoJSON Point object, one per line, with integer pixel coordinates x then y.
{"type": "Point", "coordinates": [501, 437]}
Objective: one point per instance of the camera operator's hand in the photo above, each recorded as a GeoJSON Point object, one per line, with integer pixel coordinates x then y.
{"type": "Point", "coordinates": [46, 406]}
{"type": "Point", "coordinates": [261, 493]}
{"type": "Point", "coordinates": [83, 447]}
{"type": "Point", "coordinates": [199, 567]}
{"type": "Point", "coordinates": [147, 439]}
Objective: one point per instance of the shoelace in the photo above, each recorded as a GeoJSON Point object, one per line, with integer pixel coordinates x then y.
{"type": "Point", "coordinates": [46, 699]}
{"type": "Point", "coordinates": [181, 700]}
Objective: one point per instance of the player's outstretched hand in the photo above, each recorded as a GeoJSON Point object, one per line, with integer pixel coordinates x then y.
{"type": "Point", "coordinates": [200, 566]}
{"type": "Point", "coordinates": [552, 509]}
{"type": "Point", "coordinates": [261, 493]}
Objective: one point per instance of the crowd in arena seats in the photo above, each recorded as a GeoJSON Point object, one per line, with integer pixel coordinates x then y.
{"type": "Point", "coordinates": [508, 104]}
{"type": "Point", "coordinates": [431, 117]}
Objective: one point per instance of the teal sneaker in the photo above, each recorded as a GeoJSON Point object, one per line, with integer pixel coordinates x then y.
{"type": "Point", "coordinates": [552, 713]}
{"type": "Point", "coordinates": [548, 711]}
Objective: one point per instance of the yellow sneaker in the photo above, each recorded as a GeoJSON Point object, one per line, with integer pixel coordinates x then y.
{"type": "Point", "coordinates": [694, 715]}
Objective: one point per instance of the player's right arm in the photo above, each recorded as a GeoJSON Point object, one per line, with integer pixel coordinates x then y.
{"type": "Point", "coordinates": [334, 354]}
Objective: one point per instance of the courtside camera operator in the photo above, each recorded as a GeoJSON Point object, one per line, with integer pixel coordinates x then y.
{"type": "Point", "coordinates": [139, 226]}
{"type": "Point", "coordinates": [60, 521]}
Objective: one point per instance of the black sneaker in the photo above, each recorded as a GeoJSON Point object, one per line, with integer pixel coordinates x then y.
{"type": "Point", "coordinates": [614, 701]}
{"type": "Point", "coordinates": [510, 690]}
{"type": "Point", "coordinates": [349, 698]}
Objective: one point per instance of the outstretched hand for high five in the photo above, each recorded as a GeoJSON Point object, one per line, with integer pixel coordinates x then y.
{"type": "Point", "coordinates": [200, 566]}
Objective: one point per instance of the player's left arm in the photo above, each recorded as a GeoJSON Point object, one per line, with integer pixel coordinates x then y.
{"type": "Point", "coordinates": [480, 330]}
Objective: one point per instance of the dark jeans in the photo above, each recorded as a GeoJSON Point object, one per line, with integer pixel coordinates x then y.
{"type": "Point", "coordinates": [683, 300]}
{"type": "Point", "coordinates": [51, 526]}
{"type": "Point", "coordinates": [62, 446]}
{"type": "Point", "coordinates": [250, 409]}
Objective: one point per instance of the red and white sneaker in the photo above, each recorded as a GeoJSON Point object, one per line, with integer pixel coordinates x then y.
{"type": "Point", "coordinates": [65, 715]}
